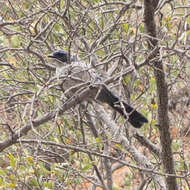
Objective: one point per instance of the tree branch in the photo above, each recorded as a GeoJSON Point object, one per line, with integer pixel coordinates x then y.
{"type": "Point", "coordinates": [137, 156]}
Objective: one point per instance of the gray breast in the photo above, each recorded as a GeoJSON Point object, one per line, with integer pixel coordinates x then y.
{"type": "Point", "coordinates": [73, 77]}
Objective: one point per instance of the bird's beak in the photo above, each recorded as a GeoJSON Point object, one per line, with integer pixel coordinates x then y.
{"type": "Point", "coordinates": [51, 55]}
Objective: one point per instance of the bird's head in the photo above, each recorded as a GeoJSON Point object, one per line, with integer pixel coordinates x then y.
{"type": "Point", "coordinates": [59, 55]}
{"type": "Point", "coordinates": [59, 59]}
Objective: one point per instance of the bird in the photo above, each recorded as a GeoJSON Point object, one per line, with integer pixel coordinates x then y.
{"type": "Point", "coordinates": [76, 74]}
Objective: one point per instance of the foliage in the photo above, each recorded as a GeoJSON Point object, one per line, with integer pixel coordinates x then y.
{"type": "Point", "coordinates": [64, 151]}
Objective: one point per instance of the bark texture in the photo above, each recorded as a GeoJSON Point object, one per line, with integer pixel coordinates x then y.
{"type": "Point", "coordinates": [162, 98]}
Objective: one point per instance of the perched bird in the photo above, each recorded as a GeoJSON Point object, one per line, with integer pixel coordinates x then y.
{"type": "Point", "coordinates": [75, 74]}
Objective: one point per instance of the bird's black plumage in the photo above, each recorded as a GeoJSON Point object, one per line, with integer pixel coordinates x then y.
{"type": "Point", "coordinates": [134, 117]}
{"type": "Point", "coordinates": [106, 96]}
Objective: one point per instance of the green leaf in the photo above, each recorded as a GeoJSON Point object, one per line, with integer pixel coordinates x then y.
{"type": "Point", "coordinates": [2, 173]}
{"type": "Point", "coordinates": [15, 41]}
{"type": "Point", "coordinates": [29, 159]}
{"type": "Point", "coordinates": [11, 185]}
{"type": "Point", "coordinates": [98, 140]}
{"type": "Point", "coordinates": [126, 78]}
{"type": "Point", "coordinates": [118, 146]}
{"type": "Point", "coordinates": [188, 32]}
{"type": "Point", "coordinates": [26, 4]}
{"type": "Point", "coordinates": [126, 27]}
{"type": "Point", "coordinates": [11, 160]}
{"type": "Point", "coordinates": [33, 182]}
{"type": "Point", "coordinates": [1, 181]}
{"type": "Point", "coordinates": [175, 145]}
{"type": "Point", "coordinates": [141, 28]}
{"type": "Point", "coordinates": [86, 167]}
{"type": "Point", "coordinates": [48, 184]}
{"type": "Point", "coordinates": [62, 3]}
{"type": "Point", "coordinates": [188, 19]}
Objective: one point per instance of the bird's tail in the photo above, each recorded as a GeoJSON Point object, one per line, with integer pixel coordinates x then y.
{"type": "Point", "coordinates": [134, 117]}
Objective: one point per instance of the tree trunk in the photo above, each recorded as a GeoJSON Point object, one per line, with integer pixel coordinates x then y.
{"type": "Point", "coordinates": [162, 98]}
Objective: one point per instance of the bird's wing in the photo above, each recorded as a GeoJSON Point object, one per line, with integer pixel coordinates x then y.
{"type": "Point", "coordinates": [74, 77]}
